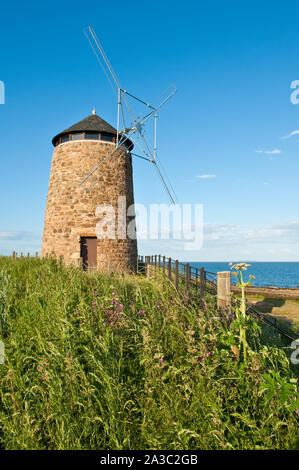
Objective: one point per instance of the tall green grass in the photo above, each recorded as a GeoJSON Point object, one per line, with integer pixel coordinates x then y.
{"type": "Point", "coordinates": [119, 362]}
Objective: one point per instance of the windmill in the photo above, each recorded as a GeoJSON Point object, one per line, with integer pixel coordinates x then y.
{"type": "Point", "coordinates": [134, 128]}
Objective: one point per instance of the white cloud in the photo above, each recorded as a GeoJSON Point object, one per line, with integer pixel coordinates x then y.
{"type": "Point", "coordinates": [19, 236]}
{"type": "Point", "coordinates": [15, 235]}
{"type": "Point", "coordinates": [272, 151]}
{"type": "Point", "coordinates": [269, 152]}
{"type": "Point", "coordinates": [290, 134]}
{"type": "Point", "coordinates": [230, 241]}
{"type": "Point", "coordinates": [206, 176]}
{"type": "Point", "coordinates": [287, 232]}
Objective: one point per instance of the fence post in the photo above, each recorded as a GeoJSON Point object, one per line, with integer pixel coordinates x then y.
{"type": "Point", "coordinates": [202, 284]}
{"type": "Point", "coordinates": [176, 274]}
{"type": "Point", "coordinates": [187, 271]}
{"type": "Point", "coordinates": [149, 270]}
{"type": "Point", "coordinates": [163, 265]}
{"type": "Point", "coordinates": [169, 269]}
{"type": "Point", "coordinates": [156, 263]}
{"type": "Point", "coordinates": [223, 289]}
{"type": "Point", "coordinates": [159, 261]}
{"type": "Point", "coordinates": [36, 254]}
{"type": "Point", "coordinates": [14, 255]}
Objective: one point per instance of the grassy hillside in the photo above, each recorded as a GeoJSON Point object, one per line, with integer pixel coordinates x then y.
{"type": "Point", "coordinates": [117, 362]}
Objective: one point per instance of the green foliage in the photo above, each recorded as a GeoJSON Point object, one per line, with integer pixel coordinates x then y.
{"type": "Point", "coordinates": [119, 362]}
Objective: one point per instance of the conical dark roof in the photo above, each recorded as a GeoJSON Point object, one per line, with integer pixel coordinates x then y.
{"type": "Point", "coordinates": [92, 123]}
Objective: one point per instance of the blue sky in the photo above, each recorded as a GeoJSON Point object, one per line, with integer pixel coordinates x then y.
{"type": "Point", "coordinates": [232, 62]}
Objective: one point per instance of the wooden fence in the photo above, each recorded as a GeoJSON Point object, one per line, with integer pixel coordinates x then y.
{"type": "Point", "coordinates": [193, 280]}
{"type": "Point", "coordinates": [22, 255]}
{"type": "Point", "coordinates": [198, 280]}
{"type": "Point", "coordinates": [52, 255]}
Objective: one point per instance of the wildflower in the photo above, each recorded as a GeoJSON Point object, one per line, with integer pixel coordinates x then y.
{"type": "Point", "coordinates": [208, 353]}
{"type": "Point", "coordinates": [140, 312]}
{"type": "Point", "coordinates": [83, 323]}
{"type": "Point", "coordinates": [161, 359]}
{"type": "Point", "coordinates": [121, 306]}
{"type": "Point", "coordinates": [297, 411]}
{"type": "Point", "coordinates": [95, 292]}
{"type": "Point", "coordinates": [251, 276]}
{"type": "Point", "coordinates": [113, 293]}
{"type": "Point", "coordinates": [94, 304]}
{"type": "Point", "coordinates": [240, 266]}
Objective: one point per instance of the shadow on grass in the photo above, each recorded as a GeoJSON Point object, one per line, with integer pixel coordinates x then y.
{"type": "Point", "coordinates": [267, 305]}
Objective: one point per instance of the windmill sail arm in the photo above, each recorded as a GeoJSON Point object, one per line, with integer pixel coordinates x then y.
{"type": "Point", "coordinates": [171, 197]}
{"type": "Point", "coordinates": [97, 47]}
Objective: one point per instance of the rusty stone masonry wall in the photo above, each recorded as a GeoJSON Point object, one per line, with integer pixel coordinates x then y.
{"type": "Point", "coordinates": [70, 210]}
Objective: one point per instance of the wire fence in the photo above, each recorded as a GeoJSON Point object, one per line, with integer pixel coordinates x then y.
{"type": "Point", "coordinates": [190, 278]}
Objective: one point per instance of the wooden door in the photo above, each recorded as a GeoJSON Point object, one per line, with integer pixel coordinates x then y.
{"type": "Point", "coordinates": [89, 252]}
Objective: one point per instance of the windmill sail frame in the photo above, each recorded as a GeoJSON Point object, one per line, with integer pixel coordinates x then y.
{"type": "Point", "coordinates": [137, 123]}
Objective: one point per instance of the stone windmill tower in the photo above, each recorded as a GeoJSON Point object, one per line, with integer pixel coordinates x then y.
{"type": "Point", "coordinates": [72, 213]}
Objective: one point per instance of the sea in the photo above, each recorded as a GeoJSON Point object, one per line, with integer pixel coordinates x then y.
{"type": "Point", "coordinates": [278, 274]}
